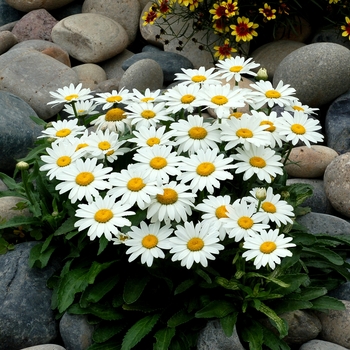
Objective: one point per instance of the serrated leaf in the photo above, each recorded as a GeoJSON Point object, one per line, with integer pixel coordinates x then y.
{"type": "Point", "coordinates": [17, 221]}
{"type": "Point", "coordinates": [9, 182]}
{"type": "Point", "coordinates": [134, 286]}
{"type": "Point", "coordinates": [253, 334]}
{"type": "Point", "coordinates": [216, 308]}
{"type": "Point", "coordinates": [228, 323]}
{"type": "Point", "coordinates": [287, 305]}
{"type": "Point", "coordinates": [273, 342]}
{"type": "Point", "coordinates": [311, 293]}
{"type": "Point", "coordinates": [163, 338]}
{"type": "Point", "coordinates": [105, 312]}
{"type": "Point", "coordinates": [183, 286]}
{"type": "Point", "coordinates": [293, 280]}
{"type": "Point", "coordinates": [66, 227]}
{"type": "Point", "coordinates": [327, 303]}
{"type": "Point", "coordinates": [180, 317]}
{"type": "Point", "coordinates": [138, 331]}
{"type": "Point", "coordinates": [106, 330]}
{"type": "Point", "coordinates": [331, 256]}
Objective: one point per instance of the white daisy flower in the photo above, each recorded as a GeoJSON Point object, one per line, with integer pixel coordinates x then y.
{"type": "Point", "coordinates": [273, 209]}
{"type": "Point", "coordinates": [267, 94]}
{"type": "Point", "coordinates": [242, 220]}
{"type": "Point", "coordinates": [221, 98]}
{"type": "Point", "coordinates": [119, 238]}
{"type": "Point", "coordinates": [199, 76]}
{"type": "Point", "coordinates": [245, 131]}
{"type": "Point", "coordinates": [215, 209]}
{"type": "Point", "coordinates": [111, 99]}
{"type": "Point", "coordinates": [264, 162]}
{"type": "Point", "coordinates": [267, 248]}
{"type": "Point", "coordinates": [103, 216]}
{"type": "Point", "coordinates": [70, 94]}
{"type": "Point", "coordinates": [296, 105]}
{"type": "Point", "coordinates": [60, 155]}
{"type": "Point", "coordinates": [235, 67]}
{"type": "Point", "coordinates": [133, 186]}
{"type": "Point", "coordinates": [62, 129]}
{"type": "Point", "coordinates": [106, 144]}
{"type": "Point", "coordinates": [205, 169]}
{"type": "Point", "coordinates": [195, 244]}
{"type": "Point", "coordinates": [80, 108]}
{"type": "Point", "coordinates": [194, 134]}
{"type": "Point", "coordinates": [148, 137]}
{"type": "Point", "coordinates": [158, 162]}
{"type": "Point", "coordinates": [147, 114]}
{"type": "Point", "coordinates": [147, 96]}
{"type": "Point", "coordinates": [84, 180]}
{"type": "Point", "coordinates": [148, 241]}
{"type": "Point", "coordinates": [173, 204]}
{"type": "Point", "coordinates": [299, 127]}
{"type": "Point", "coordinates": [115, 120]}
{"type": "Point", "coordinates": [81, 143]}
{"type": "Point", "coordinates": [181, 97]}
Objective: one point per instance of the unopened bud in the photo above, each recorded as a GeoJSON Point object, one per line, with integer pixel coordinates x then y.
{"type": "Point", "coordinates": [260, 194]}
{"type": "Point", "coordinates": [262, 74]}
{"type": "Point", "coordinates": [22, 165]}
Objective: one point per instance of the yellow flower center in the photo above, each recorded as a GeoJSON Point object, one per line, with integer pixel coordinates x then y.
{"type": "Point", "coordinates": [205, 169]}
{"type": "Point", "coordinates": [104, 145]}
{"type": "Point", "coordinates": [257, 162]}
{"type": "Point", "coordinates": [158, 163]}
{"type": "Point", "coordinates": [195, 244]}
{"type": "Point", "coordinates": [115, 115]}
{"type": "Point", "coordinates": [148, 114]}
{"type": "Point", "coordinates": [197, 133]}
{"type": "Point", "coordinates": [71, 97]}
{"type": "Point", "coordinates": [245, 222]}
{"type": "Point", "coordinates": [113, 99]}
{"type": "Point", "coordinates": [198, 78]}
{"type": "Point", "coordinates": [147, 99]}
{"type": "Point", "coordinates": [221, 212]}
{"type": "Point", "coordinates": [80, 146]}
{"type": "Point", "coordinates": [271, 128]}
{"type": "Point", "coordinates": [298, 108]}
{"type": "Point", "coordinates": [187, 98]}
{"type": "Point", "coordinates": [103, 215]}
{"type": "Point", "coordinates": [269, 207]}
{"type": "Point", "coordinates": [235, 115]}
{"type": "Point", "coordinates": [85, 178]}
{"type": "Point", "coordinates": [244, 132]}
{"type": "Point", "coordinates": [219, 100]}
{"type": "Point", "coordinates": [63, 132]}
{"type": "Point", "coordinates": [153, 141]}
{"type": "Point", "coordinates": [81, 111]}
{"type": "Point", "coordinates": [150, 241]}
{"type": "Point", "coordinates": [236, 69]}
{"type": "Point", "coordinates": [298, 129]}
{"type": "Point", "coordinates": [63, 161]}
{"type": "Point", "coordinates": [268, 247]}
{"type": "Point", "coordinates": [272, 94]}
{"type": "Point", "coordinates": [135, 184]}
{"type": "Point", "coordinates": [169, 196]}
{"type": "Point", "coordinates": [110, 152]}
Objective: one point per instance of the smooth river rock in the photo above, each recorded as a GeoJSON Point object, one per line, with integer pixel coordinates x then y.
{"type": "Point", "coordinates": [29, 5]}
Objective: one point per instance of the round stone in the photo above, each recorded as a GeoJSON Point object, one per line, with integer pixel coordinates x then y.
{"type": "Point", "coordinates": [26, 6]}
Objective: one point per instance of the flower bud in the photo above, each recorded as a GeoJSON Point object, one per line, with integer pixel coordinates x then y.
{"type": "Point", "coordinates": [22, 165]}
{"type": "Point", "coordinates": [262, 74]}
{"type": "Point", "coordinates": [260, 194]}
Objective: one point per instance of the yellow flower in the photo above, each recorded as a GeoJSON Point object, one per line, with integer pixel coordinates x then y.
{"type": "Point", "coordinates": [244, 30]}
{"type": "Point", "coordinates": [346, 28]}
{"type": "Point", "coordinates": [268, 12]}
{"type": "Point", "coordinates": [224, 51]}
{"type": "Point", "coordinates": [150, 16]}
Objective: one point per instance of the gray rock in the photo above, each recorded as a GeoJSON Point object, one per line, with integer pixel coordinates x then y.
{"type": "Point", "coordinates": [318, 202]}
{"type": "Point", "coordinates": [143, 74]}
{"type": "Point", "coordinates": [331, 36]}
{"type": "Point", "coordinates": [337, 124]}
{"type": "Point", "coordinates": [151, 48]}
{"type": "Point", "coordinates": [70, 9]}
{"type": "Point", "coordinates": [8, 13]}
{"type": "Point", "coordinates": [342, 292]}
{"type": "Point", "coordinates": [90, 75]}
{"type": "Point", "coordinates": [7, 40]}
{"type": "Point", "coordinates": [324, 223]}
{"type": "Point", "coordinates": [8, 208]}
{"type": "Point", "coordinates": [28, 74]}
{"type": "Point", "coordinates": [45, 347]}
{"type": "Point", "coordinates": [337, 184]}
{"type": "Point", "coordinates": [76, 332]}
{"type": "Point", "coordinates": [17, 131]}
{"type": "Point", "coordinates": [212, 337]}
{"type": "Point", "coordinates": [317, 344]}
{"type": "Point", "coordinates": [312, 67]}
{"type": "Point", "coordinates": [26, 318]}
{"type": "Point", "coordinates": [26, 6]}
{"type": "Point", "coordinates": [170, 63]}
{"type": "Point", "coordinates": [113, 66]}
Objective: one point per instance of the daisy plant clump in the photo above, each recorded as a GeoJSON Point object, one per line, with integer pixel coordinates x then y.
{"type": "Point", "coordinates": [224, 28]}
{"type": "Point", "coordinates": [170, 208]}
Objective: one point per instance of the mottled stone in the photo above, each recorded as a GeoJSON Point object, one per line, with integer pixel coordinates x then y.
{"type": "Point", "coordinates": [17, 131]}
{"type": "Point", "coordinates": [337, 183]}
{"type": "Point", "coordinates": [36, 24]}
{"type": "Point", "coordinates": [309, 162]}
{"type": "Point", "coordinates": [342, 292]}
{"type": "Point", "coordinates": [8, 207]}
{"type": "Point", "coordinates": [331, 36]}
{"type": "Point", "coordinates": [113, 66]}
{"type": "Point", "coordinates": [26, 318]}
{"type": "Point", "coordinates": [143, 74]}
{"type": "Point", "coordinates": [26, 6]}
{"type": "Point", "coordinates": [76, 332]}
{"type": "Point", "coordinates": [337, 124]}
{"type": "Point", "coordinates": [28, 74]}
{"type": "Point", "coordinates": [313, 67]}
{"type": "Point", "coordinates": [317, 344]}
{"type": "Point", "coordinates": [324, 223]}
{"type": "Point", "coordinates": [7, 40]}
{"type": "Point", "coordinates": [90, 75]}
{"type": "Point", "coordinates": [212, 337]}
{"type": "Point", "coordinates": [8, 13]}
{"type": "Point", "coordinates": [125, 12]}
{"type": "Point", "coordinates": [169, 62]}
{"type": "Point", "coordinates": [78, 35]}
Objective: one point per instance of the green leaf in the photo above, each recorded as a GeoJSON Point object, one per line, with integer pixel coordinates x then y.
{"type": "Point", "coordinates": [38, 257]}
{"type": "Point", "coordinates": [163, 338]}
{"type": "Point", "coordinates": [289, 304]}
{"type": "Point", "coordinates": [106, 330]}
{"type": "Point", "coordinates": [111, 345]}
{"type": "Point", "coordinates": [311, 293]}
{"type": "Point", "coordinates": [328, 254]}
{"type": "Point", "coordinates": [228, 323]}
{"type": "Point", "coordinates": [327, 303]}
{"type": "Point", "coordinates": [183, 286]}
{"type": "Point", "coordinates": [105, 312]}
{"type": "Point", "coordinates": [293, 280]}
{"type": "Point", "coordinates": [38, 120]}
{"type": "Point", "coordinates": [9, 182]}
{"type": "Point", "coordinates": [273, 342]}
{"type": "Point", "coordinates": [216, 308]}
{"type": "Point", "coordinates": [204, 275]}
{"type": "Point", "coordinates": [138, 331]}
{"type": "Point", "coordinates": [134, 286]}
{"type": "Point", "coordinates": [180, 317]}
{"type": "Point", "coordinates": [231, 284]}
{"type": "Point", "coordinates": [19, 221]}
{"type": "Point", "coordinates": [252, 333]}
{"type": "Point", "coordinates": [66, 227]}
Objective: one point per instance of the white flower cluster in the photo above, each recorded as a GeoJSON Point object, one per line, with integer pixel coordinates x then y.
{"type": "Point", "coordinates": [162, 154]}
